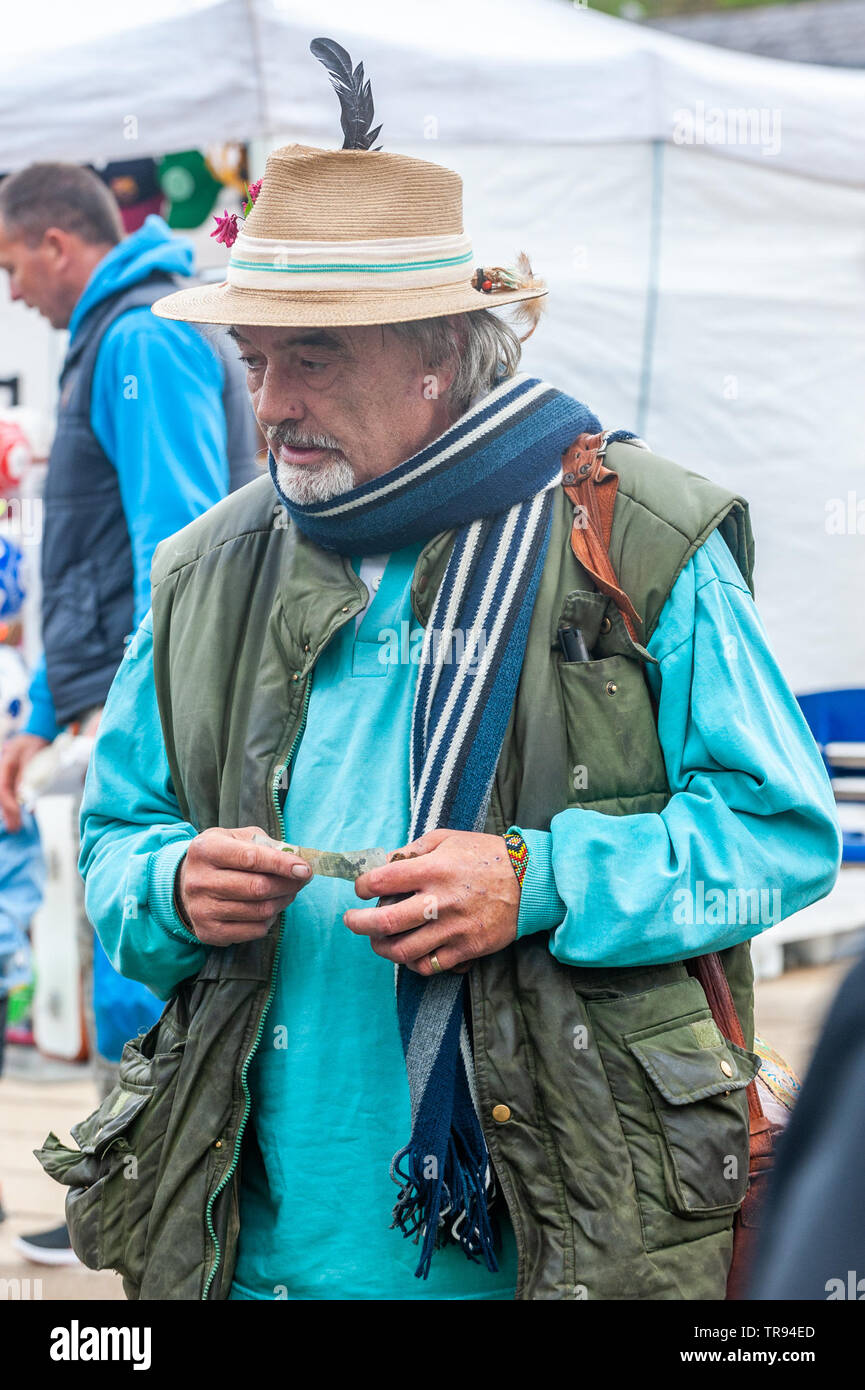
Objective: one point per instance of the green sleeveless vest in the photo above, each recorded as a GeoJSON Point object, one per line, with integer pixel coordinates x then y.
{"type": "Point", "coordinates": [619, 1142]}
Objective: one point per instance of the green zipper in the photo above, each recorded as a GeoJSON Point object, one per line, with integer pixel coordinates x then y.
{"type": "Point", "coordinates": [274, 791]}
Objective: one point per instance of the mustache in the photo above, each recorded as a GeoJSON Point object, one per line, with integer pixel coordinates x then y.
{"type": "Point", "coordinates": [292, 437]}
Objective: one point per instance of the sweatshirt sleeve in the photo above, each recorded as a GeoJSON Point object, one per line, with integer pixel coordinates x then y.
{"type": "Point", "coordinates": [156, 409]}
{"type": "Point", "coordinates": [749, 834]}
{"type": "Point", "coordinates": [41, 720]}
{"type": "Point", "coordinates": [133, 836]}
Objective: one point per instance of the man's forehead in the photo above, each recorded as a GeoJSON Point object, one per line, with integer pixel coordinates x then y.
{"type": "Point", "coordinates": [277, 338]}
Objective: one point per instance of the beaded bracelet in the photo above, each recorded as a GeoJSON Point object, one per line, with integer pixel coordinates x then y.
{"type": "Point", "coordinates": [518, 851]}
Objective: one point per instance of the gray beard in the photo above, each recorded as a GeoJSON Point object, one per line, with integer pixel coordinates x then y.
{"type": "Point", "coordinates": [304, 485]}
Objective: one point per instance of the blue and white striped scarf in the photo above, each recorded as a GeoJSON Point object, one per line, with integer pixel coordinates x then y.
{"type": "Point", "coordinates": [490, 477]}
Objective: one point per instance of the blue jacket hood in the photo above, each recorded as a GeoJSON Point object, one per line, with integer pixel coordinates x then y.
{"type": "Point", "coordinates": [152, 247]}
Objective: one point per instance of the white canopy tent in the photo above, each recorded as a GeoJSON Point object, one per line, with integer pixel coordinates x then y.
{"type": "Point", "coordinates": [697, 213]}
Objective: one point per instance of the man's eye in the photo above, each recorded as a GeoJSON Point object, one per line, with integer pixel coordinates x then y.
{"type": "Point", "coordinates": [316, 366]}
{"type": "Point", "coordinates": [251, 363]}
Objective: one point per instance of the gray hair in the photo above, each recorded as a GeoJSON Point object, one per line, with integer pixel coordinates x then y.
{"type": "Point", "coordinates": [485, 347]}
{"type": "Point", "coordinates": [59, 195]}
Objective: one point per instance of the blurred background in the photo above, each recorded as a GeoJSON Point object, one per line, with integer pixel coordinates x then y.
{"type": "Point", "coordinates": [688, 177]}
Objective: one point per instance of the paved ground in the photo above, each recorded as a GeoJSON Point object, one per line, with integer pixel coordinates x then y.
{"type": "Point", "coordinates": [37, 1095]}
{"type": "Point", "coordinates": [790, 1010]}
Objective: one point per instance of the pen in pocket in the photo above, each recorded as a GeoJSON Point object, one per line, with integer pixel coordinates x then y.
{"type": "Point", "coordinates": [573, 644]}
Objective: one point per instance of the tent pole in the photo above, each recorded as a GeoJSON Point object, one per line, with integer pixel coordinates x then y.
{"type": "Point", "coordinates": [265, 131]}
{"type": "Point", "coordinates": [651, 309]}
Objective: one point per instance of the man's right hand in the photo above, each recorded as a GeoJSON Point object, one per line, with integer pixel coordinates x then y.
{"type": "Point", "coordinates": [232, 890]}
{"type": "Point", "coordinates": [16, 754]}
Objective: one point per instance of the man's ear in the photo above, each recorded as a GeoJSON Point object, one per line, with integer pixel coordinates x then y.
{"type": "Point", "coordinates": [56, 248]}
{"type": "Point", "coordinates": [437, 378]}
{"type": "Point", "coordinates": [446, 370]}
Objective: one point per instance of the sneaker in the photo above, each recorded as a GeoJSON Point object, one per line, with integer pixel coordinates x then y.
{"type": "Point", "coordinates": [47, 1247]}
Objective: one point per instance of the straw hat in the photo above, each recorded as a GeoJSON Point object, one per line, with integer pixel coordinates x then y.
{"type": "Point", "coordinates": [352, 236]}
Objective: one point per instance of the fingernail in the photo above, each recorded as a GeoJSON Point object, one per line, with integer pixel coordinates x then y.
{"type": "Point", "coordinates": [300, 871]}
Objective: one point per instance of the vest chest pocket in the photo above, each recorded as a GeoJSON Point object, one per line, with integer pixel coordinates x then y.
{"type": "Point", "coordinates": [612, 739]}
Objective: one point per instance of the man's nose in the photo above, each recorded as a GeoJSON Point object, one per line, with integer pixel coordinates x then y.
{"type": "Point", "coordinates": [278, 399]}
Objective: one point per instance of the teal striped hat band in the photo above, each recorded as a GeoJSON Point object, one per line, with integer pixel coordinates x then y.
{"type": "Point", "coordinates": [410, 262]}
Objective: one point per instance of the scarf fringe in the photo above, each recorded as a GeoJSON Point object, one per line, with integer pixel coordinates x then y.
{"type": "Point", "coordinates": [453, 1206]}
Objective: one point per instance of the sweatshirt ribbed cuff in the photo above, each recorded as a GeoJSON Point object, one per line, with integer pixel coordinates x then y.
{"type": "Point", "coordinates": [541, 908]}
{"type": "Point", "coordinates": [164, 864]}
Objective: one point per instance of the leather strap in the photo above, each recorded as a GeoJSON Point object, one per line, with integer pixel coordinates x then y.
{"type": "Point", "coordinates": [709, 970]}
{"type": "Point", "coordinates": [592, 488]}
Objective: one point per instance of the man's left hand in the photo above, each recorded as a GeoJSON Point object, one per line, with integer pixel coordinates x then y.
{"type": "Point", "coordinates": [464, 903]}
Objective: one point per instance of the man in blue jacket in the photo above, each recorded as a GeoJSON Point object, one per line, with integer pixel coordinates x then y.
{"type": "Point", "coordinates": [153, 428]}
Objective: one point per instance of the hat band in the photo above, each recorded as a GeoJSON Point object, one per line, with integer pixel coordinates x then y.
{"type": "Point", "coordinates": [257, 263]}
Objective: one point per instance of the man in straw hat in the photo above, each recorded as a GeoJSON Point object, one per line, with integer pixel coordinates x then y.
{"type": "Point", "coordinates": [520, 657]}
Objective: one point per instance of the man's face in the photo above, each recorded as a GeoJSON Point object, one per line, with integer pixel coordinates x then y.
{"type": "Point", "coordinates": [40, 275]}
{"type": "Point", "coordinates": [339, 406]}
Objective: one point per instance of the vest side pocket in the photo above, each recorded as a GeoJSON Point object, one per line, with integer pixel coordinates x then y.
{"type": "Point", "coordinates": [99, 1175]}
{"type": "Point", "coordinates": [702, 1110]}
{"type": "Point", "coordinates": [112, 1176]}
{"type": "Point", "coordinates": [679, 1090]}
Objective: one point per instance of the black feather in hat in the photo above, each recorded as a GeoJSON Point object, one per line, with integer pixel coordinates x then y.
{"type": "Point", "coordinates": [355, 96]}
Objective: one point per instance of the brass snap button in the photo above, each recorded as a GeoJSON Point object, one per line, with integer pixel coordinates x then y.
{"type": "Point", "coordinates": [218, 1144]}
{"type": "Point", "coordinates": [611, 687]}
{"type": "Point", "coordinates": [501, 1114]}
{"type": "Point", "coordinates": [726, 1068]}
{"type": "Point", "coordinates": [605, 625]}
{"type": "Point", "coordinates": [296, 676]}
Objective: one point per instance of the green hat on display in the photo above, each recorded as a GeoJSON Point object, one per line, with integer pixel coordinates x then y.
{"type": "Point", "coordinates": [188, 183]}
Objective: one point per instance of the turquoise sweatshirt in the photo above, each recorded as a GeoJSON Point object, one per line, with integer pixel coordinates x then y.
{"type": "Point", "coordinates": [330, 1098]}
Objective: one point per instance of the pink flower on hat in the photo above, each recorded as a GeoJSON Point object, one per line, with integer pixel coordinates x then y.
{"type": "Point", "coordinates": [252, 193]}
{"type": "Point", "coordinates": [226, 228]}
